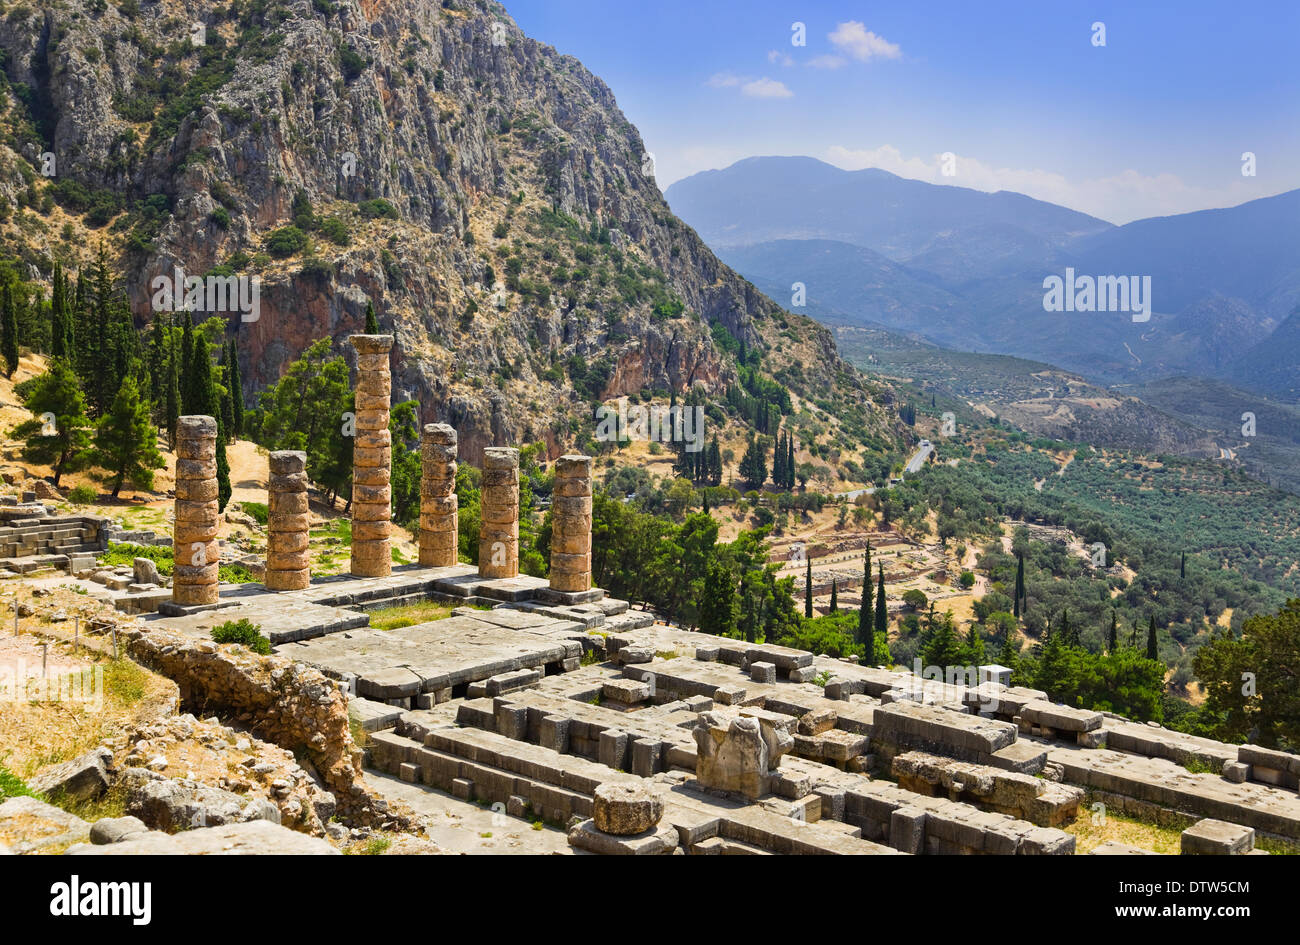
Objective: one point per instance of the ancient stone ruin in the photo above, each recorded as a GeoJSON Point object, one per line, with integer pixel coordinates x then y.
{"type": "Point", "coordinates": [372, 458]}
{"type": "Point", "coordinates": [194, 541]}
{"type": "Point", "coordinates": [564, 706]}
{"type": "Point", "coordinates": [498, 543]}
{"type": "Point", "coordinates": [288, 564]}
{"type": "Point", "coordinates": [438, 502]}
{"type": "Point", "coordinates": [571, 525]}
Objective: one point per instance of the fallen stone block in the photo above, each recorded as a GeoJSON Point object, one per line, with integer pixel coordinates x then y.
{"type": "Point", "coordinates": [80, 779]}
{"type": "Point", "coordinates": [1060, 718]}
{"type": "Point", "coordinates": [1217, 838]}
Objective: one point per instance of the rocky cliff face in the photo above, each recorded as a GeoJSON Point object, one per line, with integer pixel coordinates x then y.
{"type": "Point", "coordinates": [487, 197]}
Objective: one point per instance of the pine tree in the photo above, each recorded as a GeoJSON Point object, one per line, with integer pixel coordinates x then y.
{"type": "Point", "coordinates": [63, 445]}
{"type": "Point", "coordinates": [125, 444]}
{"type": "Point", "coordinates": [1153, 649]}
{"type": "Point", "coordinates": [8, 330]}
{"type": "Point", "coordinates": [835, 597]}
{"type": "Point", "coordinates": [943, 647]}
{"type": "Point", "coordinates": [236, 392]}
{"type": "Point", "coordinates": [718, 606]}
{"type": "Point", "coordinates": [882, 611]}
{"type": "Point", "coordinates": [372, 323]}
{"type": "Point", "coordinates": [1112, 642]}
{"type": "Point", "coordinates": [807, 590]}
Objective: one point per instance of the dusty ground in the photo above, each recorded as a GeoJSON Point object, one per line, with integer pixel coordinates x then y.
{"type": "Point", "coordinates": [458, 826]}
{"type": "Point", "coordinates": [116, 696]}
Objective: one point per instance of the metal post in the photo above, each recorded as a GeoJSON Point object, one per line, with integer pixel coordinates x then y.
{"type": "Point", "coordinates": [45, 653]}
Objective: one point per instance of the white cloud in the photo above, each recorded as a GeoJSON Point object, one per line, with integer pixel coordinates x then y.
{"type": "Point", "coordinates": [749, 86]}
{"type": "Point", "coordinates": [859, 42]}
{"type": "Point", "coordinates": [827, 62]}
{"type": "Point", "coordinates": [1119, 198]}
{"type": "Point", "coordinates": [777, 57]}
{"type": "Point", "coordinates": [766, 88]}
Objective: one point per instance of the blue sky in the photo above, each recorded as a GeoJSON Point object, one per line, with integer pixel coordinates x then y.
{"type": "Point", "coordinates": [1155, 122]}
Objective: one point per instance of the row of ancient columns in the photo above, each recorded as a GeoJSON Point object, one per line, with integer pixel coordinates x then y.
{"type": "Point", "coordinates": [287, 560]}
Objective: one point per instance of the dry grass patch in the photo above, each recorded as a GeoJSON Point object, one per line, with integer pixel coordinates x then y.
{"type": "Point", "coordinates": [1089, 835]}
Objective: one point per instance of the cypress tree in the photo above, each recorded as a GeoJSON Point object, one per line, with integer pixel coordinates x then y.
{"type": "Point", "coordinates": [202, 398]}
{"type": "Point", "coordinates": [59, 314]}
{"type": "Point", "coordinates": [223, 473]}
{"type": "Point", "coordinates": [225, 401]}
{"type": "Point", "coordinates": [778, 461]}
{"type": "Point", "coordinates": [8, 330]}
{"type": "Point", "coordinates": [187, 358]}
{"type": "Point", "coordinates": [882, 611]}
{"type": "Point", "coordinates": [835, 597]}
{"type": "Point", "coordinates": [158, 370]}
{"type": "Point", "coordinates": [1182, 566]}
{"type": "Point", "coordinates": [807, 591]}
{"type": "Point", "coordinates": [866, 617]}
{"type": "Point", "coordinates": [1112, 642]}
{"type": "Point", "coordinates": [173, 395]}
{"type": "Point", "coordinates": [236, 392]}
{"type": "Point", "coordinates": [1020, 585]}
{"type": "Point", "coordinates": [1153, 650]}
{"type": "Point", "coordinates": [372, 323]}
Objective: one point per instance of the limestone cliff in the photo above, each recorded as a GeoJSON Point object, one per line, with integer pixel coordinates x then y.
{"type": "Point", "coordinates": [482, 191]}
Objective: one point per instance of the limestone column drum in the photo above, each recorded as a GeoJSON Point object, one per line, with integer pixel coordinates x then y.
{"type": "Point", "coordinates": [438, 502]}
{"type": "Point", "coordinates": [288, 566]}
{"type": "Point", "coordinates": [372, 458]}
{"type": "Point", "coordinates": [498, 542]}
{"type": "Point", "coordinates": [571, 525]}
{"type": "Point", "coordinates": [194, 538]}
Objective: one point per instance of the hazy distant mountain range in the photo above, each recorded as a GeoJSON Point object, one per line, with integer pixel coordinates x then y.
{"type": "Point", "coordinates": [966, 269]}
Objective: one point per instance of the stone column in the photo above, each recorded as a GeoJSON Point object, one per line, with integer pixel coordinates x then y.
{"type": "Point", "coordinates": [571, 525]}
{"type": "Point", "coordinates": [288, 565]}
{"type": "Point", "coordinates": [194, 539]}
{"type": "Point", "coordinates": [372, 458]}
{"type": "Point", "coordinates": [438, 502]}
{"type": "Point", "coordinates": [498, 541]}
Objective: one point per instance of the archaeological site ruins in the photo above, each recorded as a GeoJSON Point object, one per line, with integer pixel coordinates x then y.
{"type": "Point", "coordinates": [548, 700]}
